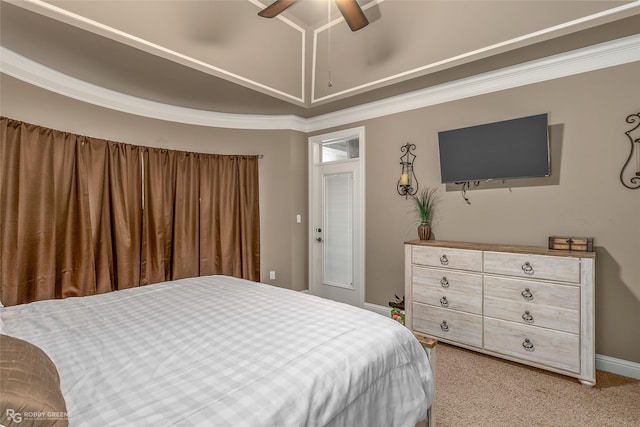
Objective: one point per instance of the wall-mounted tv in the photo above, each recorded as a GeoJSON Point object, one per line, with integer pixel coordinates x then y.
{"type": "Point", "coordinates": [517, 148]}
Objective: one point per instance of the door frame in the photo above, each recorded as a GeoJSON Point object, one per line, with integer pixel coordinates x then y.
{"type": "Point", "coordinates": [359, 221]}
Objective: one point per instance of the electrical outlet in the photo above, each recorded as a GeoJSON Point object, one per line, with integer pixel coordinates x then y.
{"type": "Point", "coordinates": [272, 275]}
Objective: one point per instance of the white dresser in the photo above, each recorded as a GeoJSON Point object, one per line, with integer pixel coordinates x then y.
{"type": "Point", "coordinates": [527, 304]}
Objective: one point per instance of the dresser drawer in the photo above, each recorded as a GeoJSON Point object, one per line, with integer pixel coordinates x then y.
{"type": "Point", "coordinates": [460, 259]}
{"type": "Point", "coordinates": [552, 348]}
{"type": "Point", "coordinates": [532, 292]}
{"type": "Point", "coordinates": [557, 268]}
{"type": "Point", "coordinates": [535, 315]}
{"type": "Point", "coordinates": [448, 324]}
{"type": "Point", "coordinates": [449, 299]}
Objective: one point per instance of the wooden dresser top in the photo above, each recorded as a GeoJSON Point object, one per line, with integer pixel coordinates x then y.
{"type": "Point", "coordinates": [538, 250]}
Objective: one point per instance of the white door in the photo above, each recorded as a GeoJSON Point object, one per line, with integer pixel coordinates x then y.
{"type": "Point", "coordinates": [336, 201]}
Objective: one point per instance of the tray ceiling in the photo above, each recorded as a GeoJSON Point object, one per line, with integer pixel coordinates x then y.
{"type": "Point", "coordinates": [220, 56]}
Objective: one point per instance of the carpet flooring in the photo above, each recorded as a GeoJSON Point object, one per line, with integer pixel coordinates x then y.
{"type": "Point", "coordinates": [478, 390]}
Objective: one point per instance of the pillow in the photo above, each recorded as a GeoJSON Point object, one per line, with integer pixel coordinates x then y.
{"type": "Point", "coordinates": [30, 394]}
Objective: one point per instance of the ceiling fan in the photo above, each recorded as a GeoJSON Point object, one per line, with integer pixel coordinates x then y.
{"type": "Point", "coordinates": [350, 10]}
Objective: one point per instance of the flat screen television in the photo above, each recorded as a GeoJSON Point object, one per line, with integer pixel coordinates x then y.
{"type": "Point", "coordinates": [517, 148]}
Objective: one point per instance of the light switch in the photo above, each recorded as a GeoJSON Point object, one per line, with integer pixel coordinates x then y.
{"type": "Point", "coordinates": [298, 218]}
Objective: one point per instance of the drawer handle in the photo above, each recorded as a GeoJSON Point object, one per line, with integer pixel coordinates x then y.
{"type": "Point", "coordinates": [444, 282]}
{"type": "Point", "coordinates": [526, 294]}
{"type": "Point", "coordinates": [528, 345]}
{"type": "Point", "coordinates": [444, 260]}
{"type": "Point", "coordinates": [527, 268]}
{"type": "Point", "coordinates": [444, 302]}
{"type": "Point", "coordinates": [444, 326]}
{"type": "Point", "coordinates": [527, 317]}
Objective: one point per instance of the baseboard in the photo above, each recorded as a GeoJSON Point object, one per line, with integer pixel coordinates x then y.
{"type": "Point", "coordinates": [618, 366]}
{"type": "Point", "coordinates": [603, 363]}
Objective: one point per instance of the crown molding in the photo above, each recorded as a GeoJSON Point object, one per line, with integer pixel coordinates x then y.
{"type": "Point", "coordinates": [514, 43]}
{"type": "Point", "coordinates": [36, 74]}
{"type": "Point", "coordinates": [604, 55]}
{"type": "Point", "coordinates": [59, 13]}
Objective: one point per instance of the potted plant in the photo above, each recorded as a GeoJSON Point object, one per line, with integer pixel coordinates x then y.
{"type": "Point", "coordinates": [425, 203]}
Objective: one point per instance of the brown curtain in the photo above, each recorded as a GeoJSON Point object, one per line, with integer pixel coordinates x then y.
{"type": "Point", "coordinates": [229, 216]}
{"type": "Point", "coordinates": [186, 226]}
{"type": "Point", "coordinates": [201, 216]}
{"type": "Point", "coordinates": [75, 219]}
{"type": "Point", "coordinates": [115, 188]}
{"type": "Point", "coordinates": [45, 225]}
{"type": "Point", "coordinates": [157, 223]}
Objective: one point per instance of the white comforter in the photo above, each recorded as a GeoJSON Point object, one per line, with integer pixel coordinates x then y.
{"type": "Point", "coordinates": [220, 351]}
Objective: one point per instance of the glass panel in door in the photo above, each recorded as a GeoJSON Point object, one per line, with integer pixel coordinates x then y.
{"type": "Point", "coordinates": [338, 232]}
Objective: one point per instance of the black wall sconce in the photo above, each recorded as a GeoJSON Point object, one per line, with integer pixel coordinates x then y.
{"type": "Point", "coordinates": [634, 181]}
{"type": "Point", "coordinates": [407, 184]}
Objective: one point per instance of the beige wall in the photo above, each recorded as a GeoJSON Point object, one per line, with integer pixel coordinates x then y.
{"type": "Point", "coordinates": [583, 197]}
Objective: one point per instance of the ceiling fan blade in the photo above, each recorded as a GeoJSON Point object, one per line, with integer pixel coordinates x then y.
{"type": "Point", "coordinates": [275, 8]}
{"type": "Point", "coordinates": [352, 13]}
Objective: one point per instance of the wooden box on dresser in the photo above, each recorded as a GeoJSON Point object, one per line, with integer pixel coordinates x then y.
{"type": "Point", "coordinates": [526, 304]}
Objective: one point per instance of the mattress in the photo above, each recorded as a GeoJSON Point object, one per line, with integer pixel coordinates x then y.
{"type": "Point", "coordinates": [222, 351]}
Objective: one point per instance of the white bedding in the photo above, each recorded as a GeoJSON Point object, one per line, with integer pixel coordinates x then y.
{"type": "Point", "coordinates": [220, 351]}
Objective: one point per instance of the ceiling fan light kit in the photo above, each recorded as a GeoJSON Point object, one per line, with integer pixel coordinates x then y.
{"type": "Point", "coordinates": [350, 10]}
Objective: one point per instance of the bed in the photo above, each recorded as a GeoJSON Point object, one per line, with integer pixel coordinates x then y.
{"type": "Point", "coordinates": [222, 351]}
